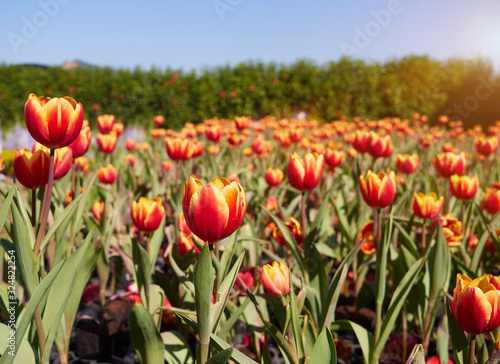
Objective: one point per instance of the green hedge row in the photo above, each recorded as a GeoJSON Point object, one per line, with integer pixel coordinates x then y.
{"type": "Point", "coordinates": [347, 87]}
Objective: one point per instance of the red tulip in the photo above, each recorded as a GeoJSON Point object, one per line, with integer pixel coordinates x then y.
{"type": "Point", "coordinates": [378, 190]}
{"type": "Point", "coordinates": [407, 164]}
{"type": "Point", "coordinates": [305, 174]}
{"type": "Point", "coordinates": [147, 214]}
{"type": "Point", "coordinates": [81, 144]}
{"type": "Point", "coordinates": [32, 169]}
{"type": "Point", "coordinates": [427, 206]}
{"type": "Point", "coordinates": [449, 164]}
{"type": "Point", "coordinates": [463, 187]}
{"type": "Point", "coordinates": [107, 175]}
{"type": "Point", "coordinates": [107, 142]}
{"type": "Point", "coordinates": [105, 123]}
{"type": "Point", "coordinates": [273, 176]}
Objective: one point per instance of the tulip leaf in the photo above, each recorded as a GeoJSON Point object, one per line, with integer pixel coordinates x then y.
{"type": "Point", "coordinates": [146, 339]}
{"type": "Point", "coordinates": [228, 254]}
{"type": "Point", "coordinates": [180, 274]}
{"type": "Point", "coordinates": [142, 271]}
{"type": "Point", "coordinates": [459, 342]}
{"type": "Point", "coordinates": [61, 292]}
{"type": "Point", "coordinates": [177, 350]}
{"type": "Point", "coordinates": [221, 357]}
{"type": "Point", "coordinates": [407, 240]}
{"type": "Point", "coordinates": [156, 242]}
{"type": "Point", "coordinates": [478, 251]}
{"type": "Point", "coordinates": [220, 344]}
{"type": "Point", "coordinates": [231, 321]}
{"type": "Point", "coordinates": [332, 296]}
{"type": "Point", "coordinates": [396, 304]}
{"type": "Point", "coordinates": [68, 212]}
{"type": "Point", "coordinates": [296, 326]}
{"type": "Point", "coordinates": [24, 257]}
{"type": "Point", "coordinates": [266, 359]}
{"type": "Point", "coordinates": [365, 338]}
{"type": "Point", "coordinates": [222, 294]}
{"type": "Point", "coordinates": [25, 320]}
{"type": "Point", "coordinates": [25, 354]}
{"type": "Point", "coordinates": [203, 286]}
{"type": "Point", "coordinates": [324, 351]}
{"type": "Point", "coordinates": [339, 206]}
{"type": "Point", "coordinates": [493, 234]}
{"type": "Point", "coordinates": [6, 206]}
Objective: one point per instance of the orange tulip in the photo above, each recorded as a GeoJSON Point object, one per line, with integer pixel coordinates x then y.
{"type": "Point", "coordinates": [449, 164]}
{"type": "Point", "coordinates": [427, 206]}
{"type": "Point", "coordinates": [305, 174]}
{"type": "Point", "coordinates": [213, 211]}
{"type": "Point", "coordinates": [167, 166]}
{"type": "Point", "coordinates": [107, 142]}
{"type": "Point", "coordinates": [186, 244]}
{"type": "Point", "coordinates": [98, 209]}
{"type": "Point", "coordinates": [213, 149]}
{"type": "Point", "coordinates": [241, 122]}
{"type": "Point", "coordinates": [32, 169]}
{"type": "Point", "coordinates": [178, 149]}
{"type": "Point", "coordinates": [271, 203]}
{"type": "Point", "coordinates": [294, 226]}
{"type": "Point", "coordinates": [158, 133]}
{"type": "Point", "coordinates": [491, 200]}
{"type": "Point", "coordinates": [130, 160]}
{"type": "Point", "coordinates": [407, 164]}
{"type": "Point", "coordinates": [213, 133]}
{"type": "Point", "coordinates": [55, 122]}
{"type": "Point", "coordinates": [378, 190]}
{"type": "Point", "coordinates": [273, 176]}
{"type": "Point", "coordinates": [118, 129]}
{"type": "Point", "coordinates": [276, 279]}
{"type": "Point", "coordinates": [63, 159]}
{"type": "Point", "coordinates": [105, 123]}
{"type": "Point", "coordinates": [476, 304]}
{"type": "Point", "coordinates": [107, 175]}
{"type": "Point", "coordinates": [369, 241]}
{"type": "Point", "coordinates": [452, 229]}
{"type": "Point", "coordinates": [463, 187]}
{"type": "Point", "coordinates": [486, 145]}
{"type": "Point", "coordinates": [147, 214]}
{"type": "Point", "coordinates": [81, 144]}
{"type": "Point", "coordinates": [296, 134]}
{"type": "Point", "coordinates": [130, 144]}
{"type": "Point", "coordinates": [495, 281]}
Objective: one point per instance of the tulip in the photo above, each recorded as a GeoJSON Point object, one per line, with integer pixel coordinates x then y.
{"type": "Point", "coordinates": [334, 158]}
{"type": "Point", "coordinates": [182, 226]}
{"type": "Point", "coordinates": [360, 141]}
{"type": "Point", "coordinates": [449, 164]}
{"type": "Point", "coordinates": [294, 226]}
{"type": "Point", "coordinates": [241, 122]}
{"type": "Point", "coordinates": [497, 345]}
{"type": "Point", "coordinates": [98, 209]}
{"type": "Point", "coordinates": [82, 164]}
{"type": "Point", "coordinates": [427, 206]}
{"type": "Point", "coordinates": [491, 200]}
{"type": "Point", "coordinates": [168, 316]}
{"type": "Point", "coordinates": [213, 133]}
{"type": "Point", "coordinates": [213, 149]}
{"type": "Point", "coordinates": [486, 145]}
{"type": "Point", "coordinates": [378, 190]}
{"type": "Point", "coordinates": [366, 234]}
{"type": "Point", "coordinates": [159, 119]}
{"type": "Point", "coordinates": [435, 360]}
{"type": "Point", "coordinates": [407, 164]}
{"type": "Point", "coordinates": [63, 159]}
{"type": "Point", "coordinates": [296, 134]}
{"type": "Point", "coordinates": [147, 214]}
{"type": "Point", "coordinates": [105, 123]}
{"type": "Point", "coordinates": [107, 142]}
{"type": "Point", "coordinates": [248, 276]}
{"type": "Point", "coordinates": [158, 133]}
{"type": "Point", "coordinates": [118, 129]}
{"type": "Point", "coordinates": [271, 203]}
{"type": "Point", "coordinates": [178, 149]}
{"type": "Point", "coordinates": [1, 164]}
{"type": "Point", "coordinates": [379, 146]}
{"type": "Point", "coordinates": [476, 304]}
{"type": "Point", "coordinates": [186, 244]}
{"type": "Point", "coordinates": [275, 279]}
{"type": "Point", "coordinates": [107, 175]}
{"type": "Point", "coordinates": [213, 211]}
{"type": "Point", "coordinates": [130, 160]}
{"type": "Point", "coordinates": [452, 229]}
{"type": "Point", "coordinates": [490, 245]}
{"type": "Point", "coordinates": [463, 187]}
{"type": "Point", "coordinates": [31, 169]}
{"type": "Point", "coordinates": [342, 349]}
{"type": "Point", "coordinates": [495, 281]}
{"type": "Point", "coordinates": [167, 166]}
{"type": "Point", "coordinates": [56, 122]}
{"type": "Point", "coordinates": [305, 174]}
{"type": "Point", "coordinates": [130, 144]}
{"type": "Point", "coordinates": [273, 176]}
{"type": "Point", "coordinates": [81, 144]}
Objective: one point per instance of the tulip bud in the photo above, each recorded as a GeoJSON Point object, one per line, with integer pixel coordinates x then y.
{"type": "Point", "coordinates": [107, 142]}
{"type": "Point", "coordinates": [369, 241]}
{"type": "Point", "coordinates": [476, 304]}
{"type": "Point", "coordinates": [275, 279]}
{"type": "Point", "coordinates": [463, 187]}
{"type": "Point", "coordinates": [273, 176]}
{"type": "Point", "coordinates": [294, 226]}
{"type": "Point", "coordinates": [452, 229]}
{"type": "Point", "coordinates": [178, 149]}
{"type": "Point", "coordinates": [105, 123]}
{"type": "Point", "coordinates": [107, 175]}
{"type": "Point", "coordinates": [305, 174]}
{"type": "Point", "coordinates": [32, 169]}
{"type": "Point", "coordinates": [97, 210]}
{"type": "Point", "coordinates": [491, 200]}
{"type": "Point", "coordinates": [427, 206]}
{"type": "Point", "coordinates": [81, 144]}
{"type": "Point", "coordinates": [407, 164]}
{"type": "Point", "coordinates": [449, 164]}
{"type": "Point", "coordinates": [378, 190]}
{"type": "Point", "coordinates": [213, 211]}
{"type": "Point", "coordinates": [147, 214]}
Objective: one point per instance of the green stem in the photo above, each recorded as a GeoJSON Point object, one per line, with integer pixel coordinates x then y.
{"type": "Point", "coordinates": [33, 210]}
{"type": "Point", "coordinates": [45, 206]}
{"type": "Point", "coordinates": [472, 348]}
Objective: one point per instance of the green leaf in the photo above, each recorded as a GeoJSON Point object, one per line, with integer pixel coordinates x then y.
{"type": "Point", "coordinates": [156, 242]}
{"type": "Point", "coordinates": [203, 286]}
{"type": "Point", "coordinates": [365, 338]}
{"type": "Point", "coordinates": [142, 271]}
{"type": "Point", "coordinates": [223, 294]}
{"type": "Point", "coordinates": [265, 359]}
{"type": "Point", "coordinates": [339, 206]}
{"type": "Point", "coordinates": [459, 342]}
{"type": "Point", "coordinates": [6, 206]}
{"type": "Point", "coordinates": [324, 351]}
{"type": "Point", "coordinates": [177, 350]}
{"type": "Point", "coordinates": [397, 302]}
{"type": "Point", "coordinates": [221, 357]}
{"type": "Point", "coordinates": [296, 326]}
{"type": "Point", "coordinates": [27, 314]}
{"type": "Point", "coordinates": [146, 339]}
{"type": "Point", "coordinates": [26, 353]}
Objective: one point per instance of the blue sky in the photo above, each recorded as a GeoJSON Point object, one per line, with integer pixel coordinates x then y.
{"type": "Point", "coordinates": [205, 33]}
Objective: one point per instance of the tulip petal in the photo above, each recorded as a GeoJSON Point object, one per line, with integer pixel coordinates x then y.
{"type": "Point", "coordinates": [472, 310]}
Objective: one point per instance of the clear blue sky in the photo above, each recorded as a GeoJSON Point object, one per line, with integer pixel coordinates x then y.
{"type": "Point", "coordinates": [203, 33]}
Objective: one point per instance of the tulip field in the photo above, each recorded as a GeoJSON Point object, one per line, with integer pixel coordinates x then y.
{"type": "Point", "coordinates": [250, 241]}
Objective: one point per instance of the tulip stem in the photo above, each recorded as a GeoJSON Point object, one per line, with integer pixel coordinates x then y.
{"type": "Point", "coordinates": [40, 331]}
{"type": "Point", "coordinates": [424, 230]}
{"type": "Point", "coordinates": [378, 222]}
{"type": "Point", "coordinates": [303, 216]}
{"type": "Point", "coordinates": [33, 209]}
{"type": "Point", "coordinates": [472, 348]}
{"type": "Point", "coordinates": [45, 206]}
